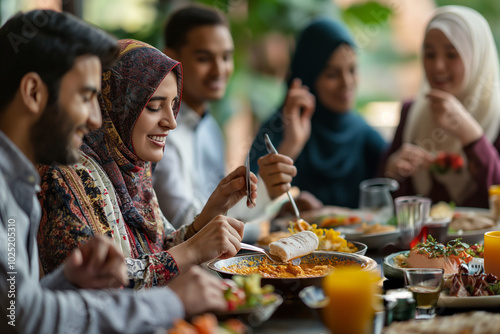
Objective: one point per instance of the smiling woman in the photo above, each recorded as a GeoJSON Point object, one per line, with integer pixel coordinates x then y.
{"type": "Point", "coordinates": [155, 121]}
{"type": "Point", "coordinates": [455, 113]}
{"type": "Point", "coordinates": [109, 189]}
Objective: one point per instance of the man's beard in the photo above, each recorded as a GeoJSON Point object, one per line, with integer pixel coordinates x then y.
{"type": "Point", "coordinates": [51, 137]}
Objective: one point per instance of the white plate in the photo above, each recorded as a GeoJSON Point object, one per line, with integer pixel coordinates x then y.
{"type": "Point", "coordinates": [477, 302]}
{"type": "Point", "coordinates": [474, 236]}
{"type": "Point", "coordinates": [393, 272]}
{"type": "Point", "coordinates": [390, 270]}
{"type": "Point", "coordinates": [376, 240]}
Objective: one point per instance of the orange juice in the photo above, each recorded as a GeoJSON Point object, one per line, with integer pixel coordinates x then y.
{"type": "Point", "coordinates": [352, 300]}
{"type": "Point", "coordinates": [492, 253]}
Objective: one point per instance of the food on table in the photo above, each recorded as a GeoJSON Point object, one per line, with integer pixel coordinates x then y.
{"type": "Point", "coordinates": [463, 284]}
{"type": "Point", "coordinates": [446, 162]}
{"type": "Point", "coordinates": [270, 270]}
{"type": "Point", "coordinates": [478, 322]}
{"type": "Point", "coordinates": [442, 210]}
{"type": "Point", "coordinates": [476, 250]}
{"type": "Point", "coordinates": [245, 292]}
{"type": "Point", "coordinates": [297, 245]}
{"type": "Point", "coordinates": [433, 254]}
{"type": "Point", "coordinates": [464, 221]}
{"type": "Point", "coordinates": [376, 228]}
{"type": "Point", "coordinates": [334, 221]}
{"type": "Point", "coordinates": [329, 239]}
{"type": "Point", "coordinates": [470, 222]}
{"type": "Point", "coordinates": [272, 237]}
{"type": "Point", "coordinates": [207, 324]}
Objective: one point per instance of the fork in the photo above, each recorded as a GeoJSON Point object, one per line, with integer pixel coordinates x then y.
{"type": "Point", "coordinates": [272, 257]}
{"type": "Point", "coordinates": [271, 149]}
{"type": "Point", "coordinates": [250, 202]}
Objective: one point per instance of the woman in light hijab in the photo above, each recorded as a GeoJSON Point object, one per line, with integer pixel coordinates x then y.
{"type": "Point", "coordinates": [109, 190]}
{"type": "Point", "coordinates": [334, 149]}
{"type": "Point", "coordinates": [457, 112]}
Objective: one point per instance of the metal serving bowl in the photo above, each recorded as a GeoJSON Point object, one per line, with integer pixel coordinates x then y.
{"type": "Point", "coordinates": [290, 287]}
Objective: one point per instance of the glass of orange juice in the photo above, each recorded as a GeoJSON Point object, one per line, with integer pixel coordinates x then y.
{"type": "Point", "coordinates": [352, 295]}
{"type": "Point", "coordinates": [492, 253]}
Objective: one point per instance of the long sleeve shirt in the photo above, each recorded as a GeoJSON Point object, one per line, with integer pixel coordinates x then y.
{"type": "Point", "coordinates": [54, 305]}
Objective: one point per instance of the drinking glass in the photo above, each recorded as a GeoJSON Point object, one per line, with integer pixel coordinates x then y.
{"type": "Point", "coordinates": [352, 295]}
{"type": "Point", "coordinates": [492, 253]}
{"type": "Point", "coordinates": [426, 285]}
{"type": "Point", "coordinates": [375, 197]}
{"type": "Point", "coordinates": [411, 213]}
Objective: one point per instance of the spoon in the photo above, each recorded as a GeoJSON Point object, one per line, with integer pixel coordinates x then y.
{"type": "Point", "coordinates": [272, 149]}
{"type": "Point", "coordinates": [274, 258]}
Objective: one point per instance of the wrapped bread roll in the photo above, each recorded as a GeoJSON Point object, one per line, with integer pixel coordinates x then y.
{"type": "Point", "coordinates": [297, 245]}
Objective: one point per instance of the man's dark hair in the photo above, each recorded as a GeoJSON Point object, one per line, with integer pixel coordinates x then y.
{"type": "Point", "coordinates": [47, 42]}
{"type": "Point", "coordinates": [183, 20]}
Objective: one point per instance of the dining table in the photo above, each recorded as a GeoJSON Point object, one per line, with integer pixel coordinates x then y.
{"type": "Point", "coordinates": [294, 317]}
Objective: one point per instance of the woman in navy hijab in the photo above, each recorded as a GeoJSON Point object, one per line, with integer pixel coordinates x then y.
{"type": "Point", "coordinates": [334, 149]}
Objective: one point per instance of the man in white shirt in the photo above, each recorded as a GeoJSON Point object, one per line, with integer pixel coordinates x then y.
{"type": "Point", "coordinates": [194, 159]}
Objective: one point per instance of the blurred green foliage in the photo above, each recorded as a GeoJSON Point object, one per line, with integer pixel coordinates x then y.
{"type": "Point", "coordinates": [489, 9]}
{"type": "Point", "coordinates": [251, 20]}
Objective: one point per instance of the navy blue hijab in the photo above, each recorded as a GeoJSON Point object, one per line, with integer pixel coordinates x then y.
{"type": "Point", "coordinates": [343, 150]}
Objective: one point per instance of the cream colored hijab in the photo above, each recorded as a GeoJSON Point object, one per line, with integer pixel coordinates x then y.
{"type": "Point", "coordinates": [470, 34]}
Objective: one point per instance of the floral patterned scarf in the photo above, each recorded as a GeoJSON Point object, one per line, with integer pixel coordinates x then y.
{"type": "Point", "coordinates": [126, 90]}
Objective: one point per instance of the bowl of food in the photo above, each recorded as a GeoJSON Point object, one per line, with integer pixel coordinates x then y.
{"type": "Point", "coordinates": [248, 301]}
{"type": "Point", "coordinates": [361, 247]}
{"type": "Point", "coordinates": [288, 279]}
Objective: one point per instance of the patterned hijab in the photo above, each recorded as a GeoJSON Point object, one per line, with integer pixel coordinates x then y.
{"type": "Point", "coordinates": [471, 35]}
{"type": "Point", "coordinates": [126, 90]}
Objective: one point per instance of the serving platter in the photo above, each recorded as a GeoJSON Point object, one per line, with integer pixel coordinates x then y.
{"type": "Point", "coordinates": [377, 240]}
{"type": "Point", "coordinates": [292, 286]}
{"type": "Point", "coordinates": [391, 271]}
{"type": "Point", "coordinates": [463, 302]}
{"type": "Point", "coordinates": [473, 236]}
{"type": "Point", "coordinates": [373, 240]}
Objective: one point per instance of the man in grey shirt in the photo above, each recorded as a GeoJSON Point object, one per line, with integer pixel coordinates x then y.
{"type": "Point", "coordinates": [51, 74]}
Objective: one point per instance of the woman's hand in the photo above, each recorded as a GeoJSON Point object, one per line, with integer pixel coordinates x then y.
{"type": "Point", "coordinates": [277, 171]}
{"type": "Point", "coordinates": [230, 191]}
{"type": "Point", "coordinates": [297, 112]}
{"type": "Point", "coordinates": [452, 116]}
{"type": "Point", "coordinates": [406, 161]}
{"type": "Point", "coordinates": [220, 238]}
